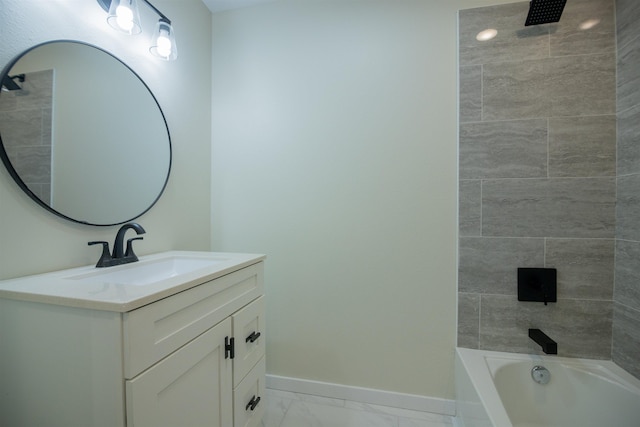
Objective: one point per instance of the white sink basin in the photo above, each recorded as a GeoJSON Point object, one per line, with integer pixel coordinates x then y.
{"type": "Point", "coordinates": [126, 287]}
{"type": "Point", "coordinates": [143, 273]}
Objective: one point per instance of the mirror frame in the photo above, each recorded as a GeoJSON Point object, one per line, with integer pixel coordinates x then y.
{"type": "Point", "coordinates": [16, 177]}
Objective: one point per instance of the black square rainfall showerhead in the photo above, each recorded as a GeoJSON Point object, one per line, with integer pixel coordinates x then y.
{"type": "Point", "coordinates": [544, 11]}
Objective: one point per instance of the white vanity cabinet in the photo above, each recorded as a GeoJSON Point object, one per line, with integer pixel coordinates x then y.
{"type": "Point", "coordinates": [193, 358]}
{"type": "Point", "coordinates": [215, 364]}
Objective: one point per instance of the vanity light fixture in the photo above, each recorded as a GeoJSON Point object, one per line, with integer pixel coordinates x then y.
{"type": "Point", "coordinates": [163, 41]}
{"type": "Point", "coordinates": [125, 17]}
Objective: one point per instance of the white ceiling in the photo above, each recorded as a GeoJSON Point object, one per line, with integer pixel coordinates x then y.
{"type": "Point", "coordinates": [220, 5]}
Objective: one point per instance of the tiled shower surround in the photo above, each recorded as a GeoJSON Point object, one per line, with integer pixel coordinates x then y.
{"type": "Point", "coordinates": [537, 164]}
{"type": "Point", "coordinates": [626, 314]}
{"type": "Point", "coordinates": [25, 120]}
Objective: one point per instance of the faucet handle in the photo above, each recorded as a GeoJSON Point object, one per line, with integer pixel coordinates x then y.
{"type": "Point", "coordinates": [105, 258]}
{"type": "Point", "coordinates": [129, 252]}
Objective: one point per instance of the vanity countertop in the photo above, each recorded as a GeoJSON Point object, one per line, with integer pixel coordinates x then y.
{"type": "Point", "coordinates": [108, 288]}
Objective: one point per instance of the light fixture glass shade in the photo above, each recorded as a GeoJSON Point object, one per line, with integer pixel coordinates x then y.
{"type": "Point", "coordinates": [124, 16]}
{"type": "Point", "coordinates": [163, 42]}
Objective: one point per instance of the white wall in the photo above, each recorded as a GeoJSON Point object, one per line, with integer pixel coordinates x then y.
{"type": "Point", "coordinates": [31, 239]}
{"type": "Point", "coordinates": [335, 153]}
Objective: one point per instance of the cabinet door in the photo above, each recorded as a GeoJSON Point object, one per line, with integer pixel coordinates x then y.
{"type": "Point", "coordinates": [248, 330]}
{"type": "Point", "coordinates": [248, 398]}
{"type": "Point", "coordinates": [191, 387]}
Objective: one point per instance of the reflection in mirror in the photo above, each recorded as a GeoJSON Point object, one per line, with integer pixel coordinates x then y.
{"type": "Point", "coordinates": [82, 134]}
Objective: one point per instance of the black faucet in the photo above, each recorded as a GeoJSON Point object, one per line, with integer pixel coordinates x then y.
{"type": "Point", "coordinates": [120, 255]}
{"type": "Point", "coordinates": [118, 245]}
{"type": "Point", "coordinates": [548, 345]}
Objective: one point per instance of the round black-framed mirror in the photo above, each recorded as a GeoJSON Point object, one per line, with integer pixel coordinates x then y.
{"type": "Point", "coordinates": [82, 134]}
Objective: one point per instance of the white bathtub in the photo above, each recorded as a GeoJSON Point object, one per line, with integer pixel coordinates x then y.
{"type": "Point", "coordinates": [495, 389]}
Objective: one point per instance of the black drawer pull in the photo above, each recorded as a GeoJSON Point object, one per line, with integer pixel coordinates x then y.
{"type": "Point", "coordinates": [254, 336]}
{"type": "Point", "coordinates": [252, 403]}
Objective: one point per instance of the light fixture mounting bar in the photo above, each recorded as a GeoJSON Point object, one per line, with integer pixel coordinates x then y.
{"type": "Point", "coordinates": [106, 3]}
{"type": "Point", "coordinates": [155, 9]}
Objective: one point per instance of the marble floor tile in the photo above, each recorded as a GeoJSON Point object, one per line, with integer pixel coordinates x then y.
{"type": "Point", "coordinates": [407, 422]}
{"type": "Point", "coordinates": [305, 414]}
{"type": "Point", "coordinates": [277, 404]}
{"type": "Point", "coordinates": [286, 409]}
{"type": "Point", "coordinates": [403, 414]}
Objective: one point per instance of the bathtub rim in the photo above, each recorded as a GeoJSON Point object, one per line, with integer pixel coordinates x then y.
{"type": "Point", "coordinates": [476, 370]}
{"type": "Point", "coordinates": [479, 371]}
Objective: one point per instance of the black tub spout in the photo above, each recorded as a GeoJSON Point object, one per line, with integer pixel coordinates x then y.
{"type": "Point", "coordinates": [548, 345]}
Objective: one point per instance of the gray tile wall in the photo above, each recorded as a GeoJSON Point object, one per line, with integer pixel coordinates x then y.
{"type": "Point", "coordinates": [537, 163]}
{"type": "Point", "coordinates": [25, 123]}
{"type": "Point", "coordinates": [626, 316]}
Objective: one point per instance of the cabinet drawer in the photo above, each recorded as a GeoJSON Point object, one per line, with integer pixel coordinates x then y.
{"type": "Point", "coordinates": [154, 331]}
{"type": "Point", "coordinates": [248, 331]}
{"type": "Point", "coordinates": [248, 398]}
{"type": "Point", "coordinates": [187, 388]}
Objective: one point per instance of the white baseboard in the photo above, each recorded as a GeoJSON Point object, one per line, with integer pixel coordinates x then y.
{"type": "Point", "coordinates": [365, 395]}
